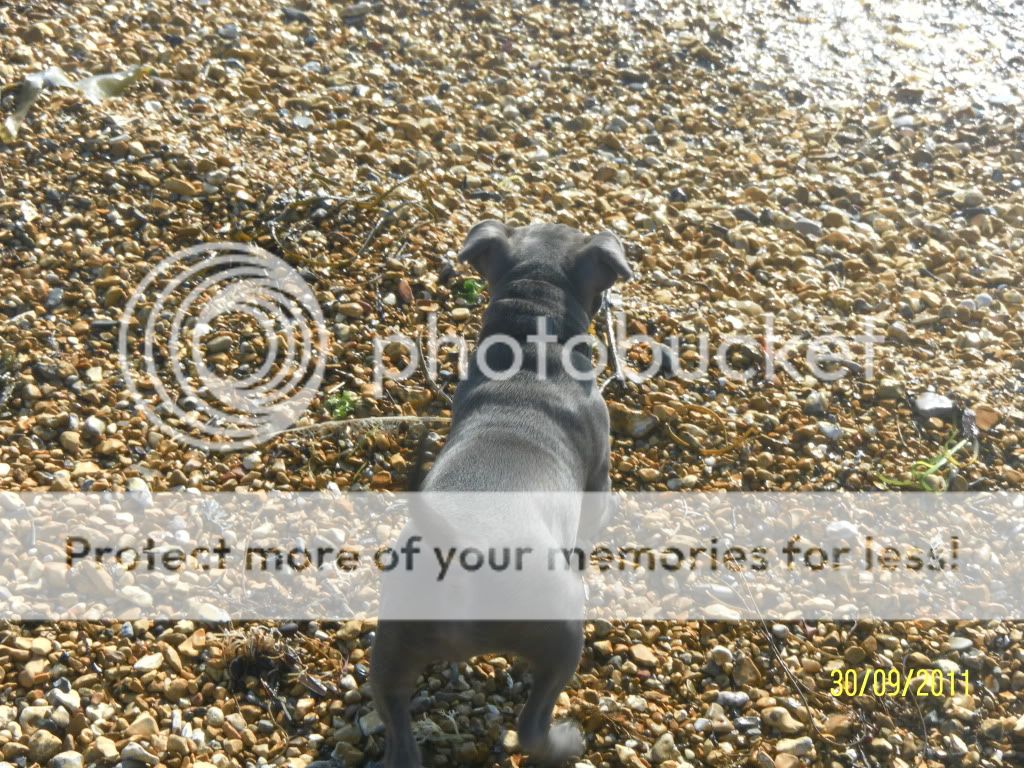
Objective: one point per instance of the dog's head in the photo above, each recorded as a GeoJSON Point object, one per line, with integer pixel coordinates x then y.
{"type": "Point", "coordinates": [582, 265]}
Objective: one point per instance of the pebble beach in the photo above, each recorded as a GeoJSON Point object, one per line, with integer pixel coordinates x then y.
{"type": "Point", "coordinates": [851, 170]}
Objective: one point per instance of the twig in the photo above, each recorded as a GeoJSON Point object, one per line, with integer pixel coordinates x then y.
{"type": "Point", "coordinates": [617, 374]}
{"type": "Point", "coordinates": [376, 200]}
{"type": "Point", "coordinates": [388, 217]}
{"type": "Point", "coordinates": [368, 420]}
{"type": "Point", "coordinates": [432, 383]}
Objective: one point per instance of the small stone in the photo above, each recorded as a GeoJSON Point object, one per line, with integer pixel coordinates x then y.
{"type": "Point", "coordinates": [649, 474]}
{"type": "Point", "coordinates": [31, 718]}
{"type": "Point", "coordinates": [890, 389]}
{"type": "Point", "coordinates": [134, 754]}
{"type": "Point", "coordinates": [34, 672]}
{"type": "Point", "coordinates": [215, 717]}
{"type": "Point", "coordinates": [149, 663]}
{"type": "Point", "coordinates": [831, 431]}
{"type": "Point", "coordinates": [626, 755]}
{"type": "Point", "coordinates": [721, 655]}
{"type": "Point", "coordinates": [839, 725]}
{"type": "Point", "coordinates": [880, 745]}
{"type": "Point", "coordinates": [955, 746]}
{"type": "Point", "coordinates": [461, 314]}
{"type": "Point", "coordinates": [898, 332]}
{"type": "Point", "coordinates": [370, 723]}
{"type": "Point", "coordinates": [1018, 728]}
{"type": "Point", "coordinates": [177, 689]}
{"type": "Point", "coordinates": [643, 655]}
{"type": "Point", "coordinates": [602, 648]}
{"type": "Point", "coordinates": [219, 344]}
{"type": "Point", "coordinates": [186, 70]}
{"type": "Point", "coordinates": [960, 643]}
{"type": "Point", "coordinates": [93, 428]}
{"type": "Point", "coordinates": [834, 219]}
{"type": "Point", "coordinates": [733, 699]}
{"type": "Point", "coordinates": [70, 442]}
{"type": "Point", "coordinates": [808, 227]}
{"type": "Point", "coordinates": [780, 719]}
{"type": "Point", "coordinates": [42, 746]}
{"type": "Point", "coordinates": [986, 417]}
{"type": "Point", "coordinates": [69, 759]}
{"type": "Point", "coordinates": [929, 405]}
{"type": "Point", "coordinates": [816, 403]}
{"type": "Point", "coordinates": [54, 298]}
{"type": "Point", "coordinates": [969, 340]}
{"type": "Point", "coordinates": [745, 672]}
{"type": "Point", "coordinates": [352, 309]}
{"type": "Point", "coordinates": [180, 187]}
{"type": "Point", "coordinates": [143, 725]}
{"type": "Point", "coordinates": [688, 482]}
{"type": "Point", "coordinates": [70, 700]}
{"type": "Point", "coordinates": [800, 747]}
{"type": "Point", "coordinates": [665, 749]}
{"type": "Point", "coordinates": [102, 750]}
{"type": "Point", "coordinates": [207, 611]}
{"type": "Point", "coordinates": [110, 447]}
{"type": "Point", "coordinates": [178, 745]}
{"type": "Point", "coordinates": [630, 423]}
{"type": "Point", "coordinates": [636, 703]}
{"type": "Point", "coordinates": [854, 655]}
{"type": "Point", "coordinates": [114, 297]}
{"type": "Point", "coordinates": [40, 32]}
{"type": "Point", "coordinates": [971, 198]}
{"type": "Point", "coordinates": [84, 468]}
{"type": "Point", "coordinates": [719, 612]}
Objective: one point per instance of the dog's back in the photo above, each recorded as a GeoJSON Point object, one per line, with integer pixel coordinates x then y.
{"type": "Point", "coordinates": [531, 435]}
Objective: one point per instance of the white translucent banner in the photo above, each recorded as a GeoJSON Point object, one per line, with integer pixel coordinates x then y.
{"type": "Point", "coordinates": [720, 556]}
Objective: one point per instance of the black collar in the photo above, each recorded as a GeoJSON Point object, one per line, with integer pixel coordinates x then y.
{"type": "Point", "coordinates": [519, 304]}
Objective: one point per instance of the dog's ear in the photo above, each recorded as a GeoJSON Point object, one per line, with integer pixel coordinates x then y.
{"type": "Point", "coordinates": [600, 263]}
{"type": "Point", "coordinates": [487, 249]}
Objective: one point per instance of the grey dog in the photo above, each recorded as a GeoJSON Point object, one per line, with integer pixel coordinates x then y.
{"type": "Point", "coordinates": [521, 433]}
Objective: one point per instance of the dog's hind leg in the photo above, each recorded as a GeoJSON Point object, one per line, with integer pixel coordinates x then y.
{"type": "Point", "coordinates": [393, 678]}
{"type": "Point", "coordinates": [553, 660]}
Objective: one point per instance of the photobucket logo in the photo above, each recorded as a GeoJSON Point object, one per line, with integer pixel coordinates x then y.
{"type": "Point", "coordinates": [827, 357]}
{"type": "Point", "coordinates": [222, 345]}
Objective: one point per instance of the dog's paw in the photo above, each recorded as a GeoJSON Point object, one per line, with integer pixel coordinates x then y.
{"type": "Point", "coordinates": [564, 742]}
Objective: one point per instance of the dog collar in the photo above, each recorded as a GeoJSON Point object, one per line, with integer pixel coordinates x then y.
{"type": "Point", "coordinates": [515, 311]}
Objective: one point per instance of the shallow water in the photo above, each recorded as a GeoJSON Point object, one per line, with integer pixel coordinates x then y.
{"type": "Point", "coordinates": [966, 51]}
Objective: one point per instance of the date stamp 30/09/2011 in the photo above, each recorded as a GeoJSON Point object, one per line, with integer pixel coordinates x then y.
{"type": "Point", "coordinates": [897, 682]}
